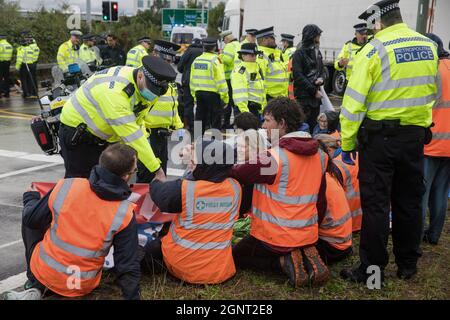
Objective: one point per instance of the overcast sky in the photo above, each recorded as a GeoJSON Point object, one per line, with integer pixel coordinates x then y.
{"type": "Point", "coordinates": [124, 5]}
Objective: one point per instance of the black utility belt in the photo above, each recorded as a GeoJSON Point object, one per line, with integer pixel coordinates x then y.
{"type": "Point", "coordinates": [161, 131]}
{"type": "Point", "coordinates": [382, 125]}
{"type": "Point", "coordinates": [80, 135]}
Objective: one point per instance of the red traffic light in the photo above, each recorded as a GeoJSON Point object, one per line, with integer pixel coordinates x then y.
{"type": "Point", "coordinates": [115, 6]}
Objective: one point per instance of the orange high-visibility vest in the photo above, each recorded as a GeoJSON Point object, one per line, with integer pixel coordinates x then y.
{"type": "Point", "coordinates": [284, 214]}
{"type": "Point", "coordinates": [336, 227]}
{"type": "Point", "coordinates": [291, 81]}
{"type": "Point", "coordinates": [197, 248]}
{"type": "Point", "coordinates": [351, 188]}
{"type": "Point", "coordinates": [440, 145]}
{"type": "Point", "coordinates": [69, 260]}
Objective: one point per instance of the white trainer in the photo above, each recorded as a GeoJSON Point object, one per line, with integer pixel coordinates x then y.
{"type": "Point", "coordinates": [30, 294]}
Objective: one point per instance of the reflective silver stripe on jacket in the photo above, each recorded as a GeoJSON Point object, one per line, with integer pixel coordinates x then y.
{"type": "Point", "coordinates": [334, 223]}
{"type": "Point", "coordinates": [441, 135]}
{"type": "Point", "coordinates": [351, 193]}
{"type": "Point", "coordinates": [133, 137]}
{"type": "Point", "coordinates": [336, 240]}
{"type": "Point", "coordinates": [188, 223]}
{"type": "Point", "coordinates": [358, 117]}
{"type": "Point", "coordinates": [198, 245]}
{"type": "Point", "coordinates": [356, 213]}
{"type": "Point", "coordinates": [442, 105]}
{"type": "Point", "coordinates": [158, 113]}
{"type": "Point", "coordinates": [78, 251]}
{"type": "Point", "coordinates": [284, 222]}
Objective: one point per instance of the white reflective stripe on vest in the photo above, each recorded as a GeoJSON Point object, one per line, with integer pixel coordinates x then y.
{"type": "Point", "coordinates": [68, 270]}
{"type": "Point", "coordinates": [78, 251]}
{"type": "Point", "coordinates": [441, 135]}
{"type": "Point", "coordinates": [335, 223]}
{"type": "Point", "coordinates": [352, 117]}
{"type": "Point", "coordinates": [167, 99]}
{"type": "Point", "coordinates": [351, 193]}
{"type": "Point", "coordinates": [133, 137]}
{"type": "Point", "coordinates": [284, 222]}
{"type": "Point", "coordinates": [356, 213]}
{"type": "Point", "coordinates": [198, 245]}
{"type": "Point", "coordinates": [442, 105]}
{"type": "Point", "coordinates": [388, 83]}
{"type": "Point", "coordinates": [158, 113]}
{"type": "Point", "coordinates": [191, 206]}
{"type": "Point", "coordinates": [336, 240]}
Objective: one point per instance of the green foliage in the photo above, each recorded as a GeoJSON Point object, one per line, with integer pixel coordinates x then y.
{"type": "Point", "coordinates": [215, 17]}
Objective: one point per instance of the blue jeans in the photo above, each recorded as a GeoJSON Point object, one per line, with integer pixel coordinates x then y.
{"type": "Point", "coordinates": [437, 183]}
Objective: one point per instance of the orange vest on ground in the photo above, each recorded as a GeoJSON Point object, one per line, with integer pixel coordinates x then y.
{"type": "Point", "coordinates": [284, 214]}
{"type": "Point", "coordinates": [69, 260]}
{"type": "Point", "coordinates": [197, 248]}
{"type": "Point", "coordinates": [336, 134]}
{"type": "Point", "coordinates": [336, 227]}
{"type": "Point", "coordinates": [440, 145]}
{"type": "Point", "coordinates": [351, 188]}
{"type": "Point", "coordinates": [291, 81]}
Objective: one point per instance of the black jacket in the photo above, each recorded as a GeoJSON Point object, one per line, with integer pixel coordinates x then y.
{"type": "Point", "coordinates": [116, 55]}
{"type": "Point", "coordinates": [184, 66]}
{"type": "Point", "coordinates": [107, 186]}
{"type": "Point", "coordinates": [306, 68]}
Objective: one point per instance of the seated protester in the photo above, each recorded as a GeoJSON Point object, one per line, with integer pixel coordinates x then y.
{"type": "Point", "coordinates": [197, 248]}
{"type": "Point", "coordinates": [287, 180]}
{"type": "Point", "coordinates": [328, 123]}
{"type": "Point", "coordinates": [335, 220]}
{"type": "Point", "coordinates": [349, 177]}
{"type": "Point", "coordinates": [76, 224]}
{"type": "Point", "coordinates": [245, 121]}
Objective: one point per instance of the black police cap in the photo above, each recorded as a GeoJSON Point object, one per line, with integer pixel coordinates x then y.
{"type": "Point", "coordinates": [287, 37]}
{"type": "Point", "coordinates": [267, 32]}
{"type": "Point", "coordinates": [210, 41]}
{"type": "Point", "coordinates": [379, 9]}
{"type": "Point", "coordinates": [157, 72]}
{"type": "Point", "coordinates": [251, 32]}
{"type": "Point", "coordinates": [88, 37]}
{"type": "Point", "coordinates": [249, 48]}
{"type": "Point", "coordinates": [145, 39]}
{"type": "Point", "coordinates": [166, 47]}
{"type": "Point", "coordinates": [360, 27]}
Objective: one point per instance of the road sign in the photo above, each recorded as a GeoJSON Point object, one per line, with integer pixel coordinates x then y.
{"type": "Point", "coordinates": [182, 17]}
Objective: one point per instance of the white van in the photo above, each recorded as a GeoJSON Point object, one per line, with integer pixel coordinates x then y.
{"type": "Point", "coordinates": [184, 35]}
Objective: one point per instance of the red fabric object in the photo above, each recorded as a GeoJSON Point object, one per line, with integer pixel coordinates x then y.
{"type": "Point", "coordinates": [300, 146]}
{"type": "Point", "coordinates": [146, 210]}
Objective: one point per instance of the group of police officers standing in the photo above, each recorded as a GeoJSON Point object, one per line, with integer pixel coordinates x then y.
{"type": "Point", "coordinates": [386, 115]}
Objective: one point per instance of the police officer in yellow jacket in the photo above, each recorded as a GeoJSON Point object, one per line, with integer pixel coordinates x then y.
{"type": "Point", "coordinates": [88, 53]}
{"type": "Point", "coordinates": [135, 55]}
{"type": "Point", "coordinates": [250, 36]}
{"type": "Point", "coordinates": [349, 50]}
{"type": "Point", "coordinates": [6, 53]}
{"type": "Point", "coordinates": [387, 106]}
{"type": "Point", "coordinates": [228, 58]}
{"type": "Point", "coordinates": [208, 86]}
{"type": "Point", "coordinates": [287, 43]}
{"type": "Point", "coordinates": [249, 92]}
{"type": "Point", "coordinates": [69, 51]}
{"type": "Point", "coordinates": [110, 107]}
{"type": "Point", "coordinates": [163, 117]}
{"type": "Point", "coordinates": [272, 64]}
{"type": "Point", "coordinates": [24, 64]}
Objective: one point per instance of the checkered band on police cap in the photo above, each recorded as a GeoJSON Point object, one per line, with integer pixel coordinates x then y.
{"type": "Point", "coordinates": [151, 77]}
{"type": "Point", "coordinates": [165, 50]}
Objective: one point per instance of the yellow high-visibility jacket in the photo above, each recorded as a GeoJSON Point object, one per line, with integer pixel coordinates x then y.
{"type": "Point", "coordinates": [135, 55]}
{"type": "Point", "coordinates": [25, 54]}
{"type": "Point", "coordinates": [67, 55]}
{"type": "Point", "coordinates": [6, 50]}
{"type": "Point", "coordinates": [348, 51]}
{"type": "Point", "coordinates": [275, 72]}
{"type": "Point", "coordinates": [228, 57]}
{"type": "Point", "coordinates": [248, 85]}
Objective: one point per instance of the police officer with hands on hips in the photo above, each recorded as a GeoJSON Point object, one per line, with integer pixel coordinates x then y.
{"type": "Point", "coordinates": [387, 107]}
{"type": "Point", "coordinates": [110, 107]}
{"type": "Point", "coordinates": [163, 117]}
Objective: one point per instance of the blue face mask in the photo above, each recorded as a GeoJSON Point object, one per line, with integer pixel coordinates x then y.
{"type": "Point", "coordinates": [337, 152]}
{"type": "Point", "coordinates": [148, 95]}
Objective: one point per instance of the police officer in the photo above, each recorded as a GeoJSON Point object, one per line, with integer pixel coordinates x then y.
{"type": "Point", "coordinates": [388, 106]}
{"type": "Point", "coordinates": [24, 64]}
{"type": "Point", "coordinates": [163, 116]}
{"type": "Point", "coordinates": [287, 45]}
{"type": "Point", "coordinates": [87, 52]}
{"type": "Point", "coordinates": [249, 92]}
{"type": "Point", "coordinates": [350, 48]}
{"type": "Point", "coordinates": [228, 56]}
{"type": "Point", "coordinates": [208, 86]}
{"type": "Point", "coordinates": [250, 36]}
{"type": "Point", "coordinates": [6, 53]}
{"type": "Point", "coordinates": [110, 107]}
{"type": "Point", "coordinates": [69, 51]}
{"type": "Point", "coordinates": [135, 55]}
{"type": "Point", "coordinates": [272, 64]}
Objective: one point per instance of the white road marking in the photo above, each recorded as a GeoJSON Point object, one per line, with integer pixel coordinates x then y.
{"type": "Point", "coordinates": [31, 157]}
{"type": "Point", "coordinates": [175, 172]}
{"type": "Point", "coordinates": [11, 205]}
{"type": "Point", "coordinates": [10, 244]}
{"type": "Point", "coordinates": [13, 282]}
{"type": "Point", "coordinates": [17, 172]}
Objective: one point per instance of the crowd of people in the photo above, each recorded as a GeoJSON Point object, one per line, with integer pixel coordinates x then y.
{"type": "Point", "coordinates": [307, 179]}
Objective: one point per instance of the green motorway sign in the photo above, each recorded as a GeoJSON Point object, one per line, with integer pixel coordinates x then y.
{"type": "Point", "coordinates": [181, 17]}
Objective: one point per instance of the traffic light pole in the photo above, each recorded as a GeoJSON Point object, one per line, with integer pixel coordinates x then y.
{"type": "Point", "coordinates": [88, 15]}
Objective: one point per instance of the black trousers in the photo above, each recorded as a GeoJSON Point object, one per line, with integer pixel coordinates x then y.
{"type": "Point", "coordinates": [4, 78]}
{"type": "Point", "coordinates": [26, 80]}
{"type": "Point", "coordinates": [311, 113]}
{"type": "Point", "coordinates": [250, 253]}
{"type": "Point", "coordinates": [159, 143]}
{"type": "Point", "coordinates": [31, 237]}
{"type": "Point", "coordinates": [188, 109]}
{"type": "Point", "coordinates": [330, 254]}
{"type": "Point", "coordinates": [391, 177]}
{"type": "Point", "coordinates": [209, 110]}
{"type": "Point", "coordinates": [229, 108]}
{"type": "Point", "coordinates": [81, 158]}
